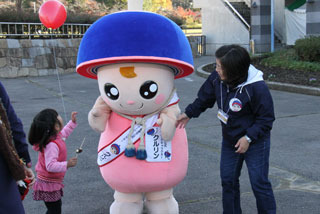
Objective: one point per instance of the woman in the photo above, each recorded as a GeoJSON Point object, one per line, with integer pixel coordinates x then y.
{"type": "Point", "coordinates": [245, 109]}
{"type": "Point", "coordinates": [13, 147]}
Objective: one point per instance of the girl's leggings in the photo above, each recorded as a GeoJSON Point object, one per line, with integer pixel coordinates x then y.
{"type": "Point", "coordinates": [53, 207]}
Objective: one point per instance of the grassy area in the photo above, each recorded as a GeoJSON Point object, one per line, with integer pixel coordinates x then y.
{"type": "Point", "coordinates": [287, 59]}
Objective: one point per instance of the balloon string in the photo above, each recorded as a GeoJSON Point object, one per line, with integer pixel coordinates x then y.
{"type": "Point", "coordinates": [55, 62]}
{"type": "Point", "coordinates": [84, 139]}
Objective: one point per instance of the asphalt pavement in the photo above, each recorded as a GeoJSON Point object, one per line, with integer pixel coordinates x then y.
{"type": "Point", "coordinates": [294, 158]}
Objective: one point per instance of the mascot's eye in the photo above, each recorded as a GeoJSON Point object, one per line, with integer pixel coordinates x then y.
{"type": "Point", "coordinates": [111, 91]}
{"type": "Point", "coordinates": [148, 89]}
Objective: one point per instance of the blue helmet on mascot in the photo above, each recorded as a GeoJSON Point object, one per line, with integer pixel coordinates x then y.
{"type": "Point", "coordinates": [134, 36]}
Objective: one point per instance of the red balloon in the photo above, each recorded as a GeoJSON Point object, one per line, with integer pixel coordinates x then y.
{"type": "Point", "coordinates": [52, 14]}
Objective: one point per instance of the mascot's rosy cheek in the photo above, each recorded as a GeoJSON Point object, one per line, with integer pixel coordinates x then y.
{"type": "Point", "coordinates": [136, 56]}
{"type": "Point", "coordinates": [159, 99]}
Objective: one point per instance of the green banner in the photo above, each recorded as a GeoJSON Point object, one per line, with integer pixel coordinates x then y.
{"type": "Point", "coordinates": [296, 4]}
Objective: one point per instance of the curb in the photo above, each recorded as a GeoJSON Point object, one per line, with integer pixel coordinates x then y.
{"type": "Point", "coordinates": [275, 85]}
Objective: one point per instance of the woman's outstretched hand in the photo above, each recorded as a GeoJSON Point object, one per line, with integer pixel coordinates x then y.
{"type": "Point", "coordinates": [182, 121]}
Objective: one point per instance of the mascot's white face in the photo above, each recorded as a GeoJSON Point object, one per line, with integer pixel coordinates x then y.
{"type": "Point", "coordinates": [135, 88]}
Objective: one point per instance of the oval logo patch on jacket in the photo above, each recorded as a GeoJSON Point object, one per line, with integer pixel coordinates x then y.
{"type": "Point", "coordinates": [235, 105]}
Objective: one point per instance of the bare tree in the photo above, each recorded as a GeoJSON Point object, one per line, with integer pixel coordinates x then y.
{"type": "Point", "coordinates": [19, 6]}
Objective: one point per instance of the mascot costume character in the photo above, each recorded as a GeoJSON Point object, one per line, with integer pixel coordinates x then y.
{"type": "Point", "coordinates": [135, 56]}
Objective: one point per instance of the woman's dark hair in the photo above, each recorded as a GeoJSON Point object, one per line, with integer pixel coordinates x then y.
{"type": "Point", "coordinates": [235, 62]}
{"type": "Point", "coordinates": [43, 129]}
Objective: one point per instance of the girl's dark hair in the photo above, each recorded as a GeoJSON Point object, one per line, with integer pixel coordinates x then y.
{"type": "Point", "coordinates": [235, 62]}
{"type": "Point", "coordinates": [43, 129]}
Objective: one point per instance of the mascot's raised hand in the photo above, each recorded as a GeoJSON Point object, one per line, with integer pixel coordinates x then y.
{"type": "Point", "coordinates": [136, 56]}
{"type": "Point", "coordinates": [99, 115]}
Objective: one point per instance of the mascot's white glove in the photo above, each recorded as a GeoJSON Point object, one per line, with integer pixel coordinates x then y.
{"type": "Point", "coordinates": [99, 115]}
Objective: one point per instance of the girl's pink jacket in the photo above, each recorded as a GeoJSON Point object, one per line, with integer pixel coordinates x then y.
{"type": "Point", "coordinates": [52, 161]}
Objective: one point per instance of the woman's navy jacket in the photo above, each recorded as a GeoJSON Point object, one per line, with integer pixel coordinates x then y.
{"type": "Point", "coordinates": [19, 137]}
{"type": "Point", "coordinates": [256, 115]}
{"type": "Point", "coordinates": [10, 201]}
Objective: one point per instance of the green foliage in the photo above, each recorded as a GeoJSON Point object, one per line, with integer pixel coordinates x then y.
{"type": "Point", "coordinates": [78, 11]}
{"type": "Point", "coordinates": [70, 1]}
{"type": "Point", "coordinates": [147, 5]}
{"type": "Point", "coordinates": [192, 17]}
{"type": "Point", "coordinates": [26, 3]}
{"type": "Point", "coordinates": [81, 18]}
{"type": "Point", "coordinates": [13, 16]}
{"type": "Point", "coordinates": [164, 7]}
{"type": "Point", "coordinates": [157, 5]}
{"type": "Point", "coordinates": [308, 49]}
{"type": "Point", "coordinates": [82, 11]}
{"type": "Point", "coordinates": [173, 16]}
{"type": "Point", "coordinates": [112, 3]}
{"type": "Point", "coordinates": [288, 59]}
{"type": "Point", "coordinates": [182, 3]}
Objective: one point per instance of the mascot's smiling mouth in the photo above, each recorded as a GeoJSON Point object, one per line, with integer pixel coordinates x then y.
{"type": "Point", "coordinates": [138, 109]}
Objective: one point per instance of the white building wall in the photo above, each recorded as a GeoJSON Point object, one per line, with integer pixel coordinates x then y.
{"type": "Point", "coordinates": [220, 25]}
{"type": "Point", "coordinates": [279, 20]}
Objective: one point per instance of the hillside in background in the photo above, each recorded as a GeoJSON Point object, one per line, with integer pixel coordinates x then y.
{"type": "Point", "coordinates": [29, 10]}
{"type": "Point", "coordinates": [87, 11]}
{"type": "Point", "coordinates": [73, 6]}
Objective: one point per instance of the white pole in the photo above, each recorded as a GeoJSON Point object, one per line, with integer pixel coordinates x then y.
{"type": "Point", "coordinates": [135, 4]}
{"type": "Point", "coordinates": [272, 26]}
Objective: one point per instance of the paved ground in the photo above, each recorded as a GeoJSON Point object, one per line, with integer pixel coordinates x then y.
{"type": "Point", "coordinates": [294, 171]}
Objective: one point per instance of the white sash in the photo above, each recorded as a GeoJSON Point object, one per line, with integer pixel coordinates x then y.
{"type": "Point", "coordinates": [157, 149]}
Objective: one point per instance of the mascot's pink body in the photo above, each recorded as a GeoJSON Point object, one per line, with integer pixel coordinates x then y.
{"type": "Point", "coordinates": [133, 175]}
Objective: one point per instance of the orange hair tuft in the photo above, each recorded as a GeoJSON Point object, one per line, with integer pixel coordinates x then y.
{"type": "Point", "coordinates": [128, 72]}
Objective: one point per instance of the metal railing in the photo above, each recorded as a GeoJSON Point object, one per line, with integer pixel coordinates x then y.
{"type": "Point", "coordinates": [237, 13]}
{"type": "Point", "coordinates": [201, 44]}
{"type": "Point", "coordinates": [15, 30]}
{"type": "Point", "coordinates": [38, 31]}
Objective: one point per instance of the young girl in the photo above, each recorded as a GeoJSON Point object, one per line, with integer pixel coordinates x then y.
{"type": "Point", "coordinates": [47, 135]}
